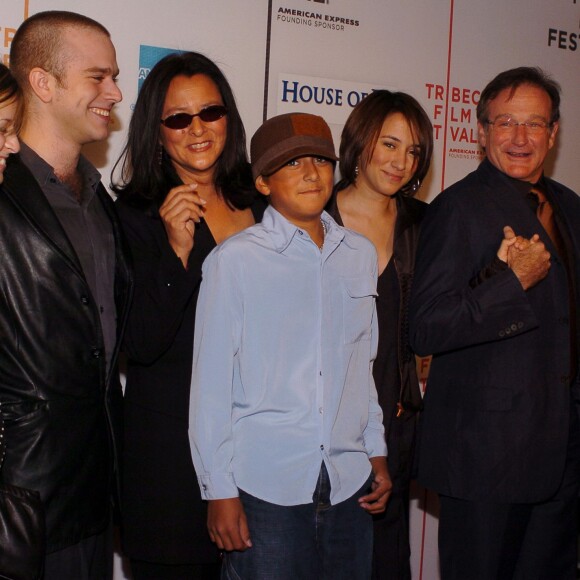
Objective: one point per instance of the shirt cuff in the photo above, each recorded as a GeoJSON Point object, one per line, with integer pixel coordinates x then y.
{"type": "Point", "coordinates": [376, 445]}
{"type": "Point", "coordinates": [219, 486]}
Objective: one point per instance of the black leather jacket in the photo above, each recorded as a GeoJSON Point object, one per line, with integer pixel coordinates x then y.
{"type": "Point", "coordinates": [59, 406]}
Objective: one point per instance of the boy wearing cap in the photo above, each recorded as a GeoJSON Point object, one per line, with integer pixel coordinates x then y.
{"type": "Point", "coordinates": [285, 427]}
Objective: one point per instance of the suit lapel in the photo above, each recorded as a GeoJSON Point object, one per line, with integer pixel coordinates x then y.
{"type": "Point", "coordinates": [25, 193]}
{"type": "Point", "coordinates": [566, 214]}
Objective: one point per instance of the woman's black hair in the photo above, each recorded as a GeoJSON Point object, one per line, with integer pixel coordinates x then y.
{"type": "Point", "coordinates": [144, 174]}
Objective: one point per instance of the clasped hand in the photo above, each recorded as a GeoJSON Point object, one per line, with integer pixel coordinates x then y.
{"type": "Point", "coordinates": [527, 258]}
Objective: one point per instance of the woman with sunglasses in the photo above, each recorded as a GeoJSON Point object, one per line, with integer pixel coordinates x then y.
{"type": "Point", "coordinates": [385, 153]}
{"type": "Point", "coordinates": [185, 186]}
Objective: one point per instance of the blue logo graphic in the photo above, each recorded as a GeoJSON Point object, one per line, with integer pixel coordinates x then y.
{"type": "Point", "coordinates": [149, 56]}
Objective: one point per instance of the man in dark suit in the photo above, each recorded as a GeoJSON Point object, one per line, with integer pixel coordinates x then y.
{"type": "Point", "coordinates": [499, 434]}
{"type": "Point", "coordinates": [64, 292]}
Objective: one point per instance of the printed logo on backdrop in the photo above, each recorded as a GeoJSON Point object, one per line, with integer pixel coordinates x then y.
{"type": "Point", "coordinates": [313, 17]}
{"type": "Point", "coordinates": [13, 13]}
{"type": "Point", "coordinates": [563, 38]}
{"type": "Point", "coordinates": [331, 98]}
{"type": "Point", "coordinates": [149, 56]}
{"type": "Point", "coordinates": [454, 119]}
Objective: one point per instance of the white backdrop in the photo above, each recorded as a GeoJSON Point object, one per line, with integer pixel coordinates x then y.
{"type": "Point", "coordinates": [322, 55]}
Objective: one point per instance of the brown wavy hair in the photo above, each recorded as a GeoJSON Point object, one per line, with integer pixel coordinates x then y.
{"type": "Point", "coordinates": [363, 127]}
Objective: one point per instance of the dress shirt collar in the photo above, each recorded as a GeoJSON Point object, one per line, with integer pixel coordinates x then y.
{"type": "Point", "coordinates": [523, 187]}
{"type": "Point", "coordinates": [282, 231]}
{"type": "Point", "coordinates": [44, 173]}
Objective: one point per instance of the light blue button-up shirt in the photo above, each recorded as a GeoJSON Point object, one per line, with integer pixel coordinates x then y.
{"type": "Point", "coordinates": [285, 337]}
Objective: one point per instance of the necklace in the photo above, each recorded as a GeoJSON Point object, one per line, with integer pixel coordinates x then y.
{"type": "Point", "coordinates": [323, 234]}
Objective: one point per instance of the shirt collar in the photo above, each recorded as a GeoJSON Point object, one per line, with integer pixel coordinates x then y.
{"type": "Point", "coordinates": [282, 231]}
{"type": "Point", "coordinates": [523, 187]}
{"type": "Point", "coordinates": [44, 173]}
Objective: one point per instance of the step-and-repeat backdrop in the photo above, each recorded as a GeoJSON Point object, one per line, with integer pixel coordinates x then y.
{"type": "Point", "coordinates": [323, 56]}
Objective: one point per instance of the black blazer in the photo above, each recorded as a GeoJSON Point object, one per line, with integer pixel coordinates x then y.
{"type": "Point", "coordinates": [497, 406]}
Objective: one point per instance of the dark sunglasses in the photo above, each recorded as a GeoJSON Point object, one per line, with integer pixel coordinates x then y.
{"type": "Point", "coordinates": [183, 120]}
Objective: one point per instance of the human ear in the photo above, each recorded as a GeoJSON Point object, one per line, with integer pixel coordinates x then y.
{"type": "Point", "coordinates": [481, 136]}
{"type": "Point", "coordinates": [262, 185]}
{"type": "Point", "coordinates": [42, 84]}
{"type": "Point", "coordinates": [553, 131]}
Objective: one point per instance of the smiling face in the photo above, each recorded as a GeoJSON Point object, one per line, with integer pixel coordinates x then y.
{"type": "Point", "coordinates": [300, 189]}
{"type": "Point", "coordinates": [519, 153]}
{"type": "Point", "coordinates": [394, 158]}
{"type": "Point", "coordinates": [8, 140]}
{"type": "Point", "coordinates": [195, 150]}
{"type": "Point", "coordinates": [84, 97]}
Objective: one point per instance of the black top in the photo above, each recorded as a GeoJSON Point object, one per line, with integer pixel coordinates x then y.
{"type": "Point", "coordinates": [386, 365]}
{"type": "Point", "coordinates": [399, 430]}
{"type": "Point", "coordinates": [163, 514]}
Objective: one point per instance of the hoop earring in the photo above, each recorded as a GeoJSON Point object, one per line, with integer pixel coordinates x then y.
{"type": "Point", "coordinates": [159, 154]}
{"type": "Point", "coordinates": [356, 171]}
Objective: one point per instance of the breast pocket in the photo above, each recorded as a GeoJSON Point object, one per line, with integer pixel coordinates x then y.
{"type": "Point", "coordinates": [358, 303]}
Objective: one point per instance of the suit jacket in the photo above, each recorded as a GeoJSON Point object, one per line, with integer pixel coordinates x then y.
{"type": "Point", "coordinates": [59, 405]}
{"type": "Point", "coordinates": [497, 407]}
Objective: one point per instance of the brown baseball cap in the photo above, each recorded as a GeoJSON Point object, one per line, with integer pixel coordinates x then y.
{"type": "Point", "coordinates": [286, 137]}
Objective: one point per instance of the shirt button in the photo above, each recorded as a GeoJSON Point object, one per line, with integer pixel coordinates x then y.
{"type": "Point", "coordinates": [84, 300]}
{"type": "Point", "coordinates": [322, 447]}
{"type": "Point", "coordinates": [204, 486]}
{"type": "Point", "coordinates": [300, 232]}
{"type": "Point", "coordinates": [96, 352]}
{"type": "Point", "coordinates": [320, 410]}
